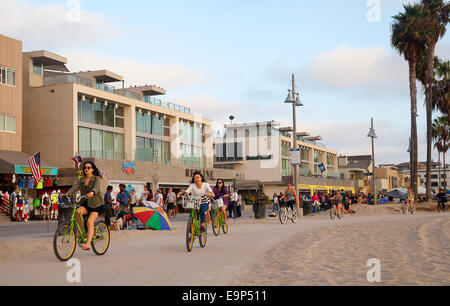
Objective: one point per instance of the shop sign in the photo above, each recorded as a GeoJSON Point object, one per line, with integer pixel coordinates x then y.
{"type": "Point", "coordinates": [128, 168]}
{"type": "Point", "coordinates": [206, 173]}
{"type": "Point", "coordinates": [295, 157]}
{"type": "Point", "coordinates": [27, 170]}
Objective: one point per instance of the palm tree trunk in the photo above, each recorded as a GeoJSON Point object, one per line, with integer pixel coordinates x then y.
{"type": "Point", "coordinates": [439, 171]}
{"type": "Point", "coordinates": [429, 96]}
{"type": "Point", "coordinates": [445, 171]}
{"type": "Point", "coordinates": [413, 94]}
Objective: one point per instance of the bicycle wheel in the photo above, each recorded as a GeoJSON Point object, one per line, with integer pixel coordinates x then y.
{"type": "Point", "coordinates": [339, 213]}
{"type": "Point", "coordinates": [64, 242]}
{"type": "Point", "coordinates": [283, 215]}
{"type": "Point", "coordinates": [189, 234]}
{"type": "Point", "coordinates": [294, 216]}
{"type": "Point", "coordinates": [405, 208]}
{"type": "Point", "coordinates": [438, 207]}
{"type": "Point", "coordinates": [101, 239]}
{"type": "Point", "coordinates": [224, 225]}
{"type": "Point", "coordinates": [215, 224]}
{"type": "Point", "coordinates": [203, 236]}
{"type": "Point", "coordinates": [332, 212]}
{"type": "Point", "coordinates": [412, 210]}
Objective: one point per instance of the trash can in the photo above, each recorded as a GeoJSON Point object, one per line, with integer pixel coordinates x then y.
{"type": "Point", "coordinates": [307, 207]}
{"type": "Point", "coordinates": [259, 209]}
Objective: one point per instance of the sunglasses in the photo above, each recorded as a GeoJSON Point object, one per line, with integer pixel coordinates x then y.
{"type": "Point", "coordinates": [220, 183]}
{"type": "Point", "coordinates": [87, 168]}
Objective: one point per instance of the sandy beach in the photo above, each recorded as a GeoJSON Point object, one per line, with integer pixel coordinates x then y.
{"type": "Point", "coordinates": [412, 249]}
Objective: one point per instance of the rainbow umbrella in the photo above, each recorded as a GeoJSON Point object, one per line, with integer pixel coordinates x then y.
{"type": "Point", "coordinates": [154, 218]}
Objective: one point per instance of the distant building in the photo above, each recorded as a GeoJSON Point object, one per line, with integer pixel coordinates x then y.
{"type": "Point", "coordinates": [261, 152]}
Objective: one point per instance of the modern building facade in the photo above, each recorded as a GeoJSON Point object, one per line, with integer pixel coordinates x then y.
{"type": "Point", "coordinates": [130, 133]}
{"type": "Point", "coordinates": [261, 152]}
{"type": "Point", "coordinates": [10, 94]}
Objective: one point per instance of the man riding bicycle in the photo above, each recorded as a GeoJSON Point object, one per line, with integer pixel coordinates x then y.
{"type": "Point", "coordinates": [441, 198]}
{"type": "Point", "coordinates": [290, 196]}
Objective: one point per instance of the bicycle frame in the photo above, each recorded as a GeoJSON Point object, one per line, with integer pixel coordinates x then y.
{"type": "Point", "coordinates": [195, 214]}
{"type": "Point", "coordinates": [81, 230]}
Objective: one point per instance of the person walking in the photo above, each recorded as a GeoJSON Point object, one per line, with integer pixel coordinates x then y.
{"type": "Point", "coordinates": [275, 203]}
{"type": "Point", "coordinates": [239, 204]}
{"type": "Point", "coordinates": [108, 205]}
{"type": "Point", "coordinates": [133, 199]}
{"type": "Point", "coordinates": [170, 201]}
{"type": "Point", "coordinates": [233, 201]}
{"type": "Point", "coordinates": [123, 198]}
{"type": "Point", "coordinates": [159, 198]}
{"type": "Point", "coordinates": [144, 196]}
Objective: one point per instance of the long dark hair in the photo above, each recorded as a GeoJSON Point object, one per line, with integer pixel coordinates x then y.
{"type": "Point", "coordinates": [199, 173]}
{"type": "Point", "coordinates": [217, 185]}
{"type": "Point", "coordinates": [96, 172]}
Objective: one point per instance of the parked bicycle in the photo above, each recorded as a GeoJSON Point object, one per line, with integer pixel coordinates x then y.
{"type": "Point", "coordinates": [218, 218]}
{"type": "Point", "coordinates": [287, 213]}
{"type": "Point", "coordinates": [69, 233]}
{"type": "Point", "coordinates": [193, 227]}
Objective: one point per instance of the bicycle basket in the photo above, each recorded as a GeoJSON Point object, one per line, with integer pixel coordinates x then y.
{"type": "Point", "coordinates": [216, 204]}
{"type": "Point", "coordinates": [191, 203]}
{"type": "Point", "coordinates": [66, 203]}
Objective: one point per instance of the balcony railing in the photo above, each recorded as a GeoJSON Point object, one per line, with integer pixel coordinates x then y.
{"type": "Point", "coordinates": [228, 159]}
{"type": "Point", "coordinates": [68, 78]}
{"type": "Point", "coordinates": [102, 154]}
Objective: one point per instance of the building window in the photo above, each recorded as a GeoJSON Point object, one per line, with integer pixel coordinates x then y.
{"type": "Point", "coordinates": [100, 144]}
{"type": "Point", "coordinates": [10, 123]}
{"type": "Point", "coordinates": [151, 150]}
{"type": "Point", "coordinates": [98, 113]}
{"type": "Point", "coordinates": [8, 76]}
{"type": "Point", "coordinates": [38, 68]}
{"type": "Point", "coordinates": [2, 122]}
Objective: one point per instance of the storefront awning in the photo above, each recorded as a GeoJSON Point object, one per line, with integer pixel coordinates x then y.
{"type": "Point", "coordinates": [12, 162]}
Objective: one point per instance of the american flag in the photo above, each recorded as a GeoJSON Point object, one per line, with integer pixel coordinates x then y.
{"type": "Point", "coordinates": [35, 165]}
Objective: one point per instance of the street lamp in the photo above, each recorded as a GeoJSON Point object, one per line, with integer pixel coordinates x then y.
{"type": "Point", "coordinates": [373, 136]}
{"type": "Point", "coordinates": [294, 98]}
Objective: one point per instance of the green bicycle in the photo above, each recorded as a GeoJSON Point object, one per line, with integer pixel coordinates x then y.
{"type": "Point", "coordinates": [69, 233]}
{"type": "Point", "coordinates": [218, 219]}
{"type": "Point", "coordinates": [193, 228]}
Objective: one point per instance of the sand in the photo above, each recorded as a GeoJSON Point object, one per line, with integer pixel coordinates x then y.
{"type": "Point", "coordinates": [413, 250]}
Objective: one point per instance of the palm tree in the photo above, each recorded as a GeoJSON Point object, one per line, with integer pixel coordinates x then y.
{"type": "Point", "coordinates": [441, 137]}
{"type": "Point", "coordinates": [406, 39]}
{"type": "Point", "coordinates": [433, 22]}
{"type": "Point", "coordinates": [441, 88]}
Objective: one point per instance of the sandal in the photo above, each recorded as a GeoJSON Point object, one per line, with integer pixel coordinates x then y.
{"type": "Point", "coordinates": [85, 247]}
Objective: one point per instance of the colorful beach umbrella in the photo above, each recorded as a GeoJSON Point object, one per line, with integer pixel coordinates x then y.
{"type": "Point", "coordinates": [154, 218]}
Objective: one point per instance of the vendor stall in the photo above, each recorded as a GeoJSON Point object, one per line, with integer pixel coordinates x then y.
{"type": "Point", "coordinates": [17, 185]}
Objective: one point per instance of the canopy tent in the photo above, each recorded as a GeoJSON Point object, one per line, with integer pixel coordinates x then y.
{"type": "Point", "coordinates": [393, 194]}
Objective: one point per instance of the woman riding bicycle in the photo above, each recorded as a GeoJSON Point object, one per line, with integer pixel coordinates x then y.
{"type": "Point", "coordinates": [337, 199]}
{"type": "Point", "coordinates": [89, 186]}
{"type": "Point", "coordinates": [220, 191]}
{"type": "Point", "coordinates": [199, 188]}
{"type": "Point", "coordinates": [290, 196]}
{"type": "Point", "coordinates": [410, 198]}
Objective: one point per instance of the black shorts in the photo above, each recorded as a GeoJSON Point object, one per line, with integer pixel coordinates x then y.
{"type": "Point", "coordinates": [170, 206]}
{"type": "Point", "coordinates": [100, 210]}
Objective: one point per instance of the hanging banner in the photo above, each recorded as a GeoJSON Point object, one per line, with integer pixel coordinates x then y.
{"type": "Point", "coordinates": [27, 170]}
{"type": "Point", "coordinates": [295, 157]}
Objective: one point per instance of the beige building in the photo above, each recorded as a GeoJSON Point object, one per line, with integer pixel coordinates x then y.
{"type": "Point", "coordinates": [261, 152]}
{"type": "Point", "coordinates": [132, 135]}
{"type": "Point", "coordinates": [10, 94]}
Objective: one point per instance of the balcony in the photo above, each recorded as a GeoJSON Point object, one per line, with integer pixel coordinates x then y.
{"type": "Point", "coordinates": [105, 87]}
{"type": "Point", "coordinates": [229, 160]}
{"type": "Point", "coordinates": [102, 154]}
{"type": "Point", "coordinates": [65, 79]}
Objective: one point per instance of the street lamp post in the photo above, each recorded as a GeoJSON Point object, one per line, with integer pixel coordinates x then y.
{"type": "Point", "coordinates": [293, 97]}
{"type": "Point", "coordinates": [373, 136]}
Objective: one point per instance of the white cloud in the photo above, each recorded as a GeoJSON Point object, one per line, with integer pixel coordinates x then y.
{"type": "Point", "coordinates": [370, 69]}
{"type": "Point", "coordinates": [52, 25]}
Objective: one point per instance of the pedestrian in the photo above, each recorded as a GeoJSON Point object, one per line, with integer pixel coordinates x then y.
{"type": "Point", "coordinates": [150, 196]}
{"type": "Point", "coordinates": [234, 200]}
{"type": "Point", "coordinates": [275, 203]}
{"type": "Point", "coordinates": [123, 198]}
{"type": "Point", "coordinates": [171, 200]}
{"type": "Point", "coordinates": [159, 198]}
{"type": "Point", "coordinates": [239, 204]}
{"type": "Point", "coordinates": [133, 199]}
{"type": "Point", "coordinates": [144, 196]}
{"type": "Point", "coordinates": [108, 204]}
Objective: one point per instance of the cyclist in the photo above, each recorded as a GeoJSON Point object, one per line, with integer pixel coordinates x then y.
{"type": "Point", "coordinates": [337, 197]}
{"type": "Point", "coordinates": [89, 186]}
{"type": "Point", "coordinates": [441, 197]}
{"type": "Point", "coordinates": [220, 191]}
{"type": "Point", "coordinates": [410, 198]}
{"type": "Point", "coordinates": [199, 188]}
{"type": "Point", "coordinates": [290, 196]}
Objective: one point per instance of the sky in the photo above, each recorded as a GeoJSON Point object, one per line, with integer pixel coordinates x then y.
{"type": "Point", "coordinates": [237, 57]}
